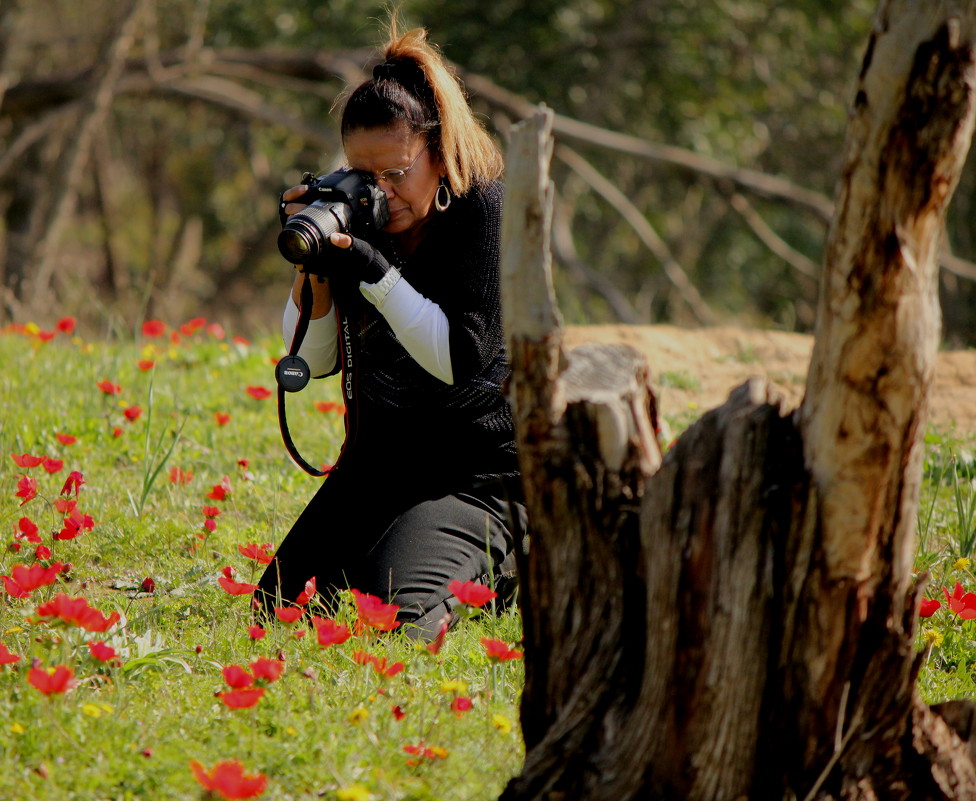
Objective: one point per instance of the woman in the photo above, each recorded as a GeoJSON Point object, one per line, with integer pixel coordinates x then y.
{"type": "Point", "coordinates": [426, 488]}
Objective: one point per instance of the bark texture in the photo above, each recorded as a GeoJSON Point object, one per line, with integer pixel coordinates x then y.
{"type": "Point", "coordinates": [737, 618]}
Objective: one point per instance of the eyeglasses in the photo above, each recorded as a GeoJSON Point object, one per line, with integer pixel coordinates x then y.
{"type": "Point", "coordinates": [395, 177]}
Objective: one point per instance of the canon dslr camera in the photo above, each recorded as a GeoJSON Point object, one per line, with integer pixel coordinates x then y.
{"type": "Point", "coordinates": [347, 202]}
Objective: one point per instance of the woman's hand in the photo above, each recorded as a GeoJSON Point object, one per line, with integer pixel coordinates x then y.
{"type": "Point", "coordinates": [287, 208]}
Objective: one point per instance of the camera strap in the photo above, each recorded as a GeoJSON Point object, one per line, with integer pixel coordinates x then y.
{"type": "Point", "coordinates": [293, 374]}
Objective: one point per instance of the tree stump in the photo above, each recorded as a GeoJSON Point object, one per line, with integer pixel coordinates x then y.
{"type": "Point", "coordinates": [737, 619]}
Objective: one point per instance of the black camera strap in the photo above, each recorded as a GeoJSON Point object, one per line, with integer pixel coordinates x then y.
{"type": "Point", "coordinates": [293, 374]}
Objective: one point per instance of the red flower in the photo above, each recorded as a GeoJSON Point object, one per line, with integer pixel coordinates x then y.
{"type": "Point", "coordinates": [65, 505]}
{"type": "Point", "coordinates": [267, 669]}
{"type": "Point", "coordinates": [66, 325]}
{"type": "Point", "coordinates": [259, 393]}
{"type": "Point", "coordinates": [499, 651]}
{"type": "Point", "coordinates": [74, 524]}
{"type": "Point", "coordinates": [243, 698]}
{"type": "Point", "coordinates": [398, 713]}
{"type": "Point", "coordinates": [308, 593]}
{"type": "Point", "coordinates": [929, 607]}
{"type": "Point", "coordinates": [26, 489]}
{"type": "Point", "coordinates": [108, 387]}
{"type": "Point", "coordinates": [329, 406]}
{"type": "Point", "coordinates": [153, 328]}
{"type": "Point", "coordinates": [132, 413]}
{"type": "Point", "coordinates": [52, 466]}
{"type": "Point", "coordinates": [27, 530]}
{"type": "Point", "coordinates": [211, 512]}
{"type": "Point", "coordinates": [210, 525]}
{"type": "Point", "coordinates": [216, 330]}
{"type": "Point", "coordinates": [219, 492]}
{"type": "Point", "coordinates": [102, 652]}
{"type": "Point", "coordinates": [117, 431]}
{"type": "Point", "coordinates": [259, 553]}
{"type": "Point", "coordinates": [471, 593]}
{"type": "Point", "coordinates": [66, 439]}
{"type": "Point", "coordinates": [77, 611]}
{"type": "Point", "coordinates": [145, 364]}
{"type": "Point", "coordinates": [73, 483]}
{"type": "Point", "coordinates": [460, 705]}
{"type": "Point", "coordinates": [288, 614]}
{"type": "Point", "coordinates": [223, 418]}
{"type": "Point", "coordinates": [23, 579]}
{"type": "Point", "coordinates": [961, 602]}
{"type": "Point", "coordinates": [7, 658]}
{"type": "Point", "coordinates": [427, 752]}
{"type": "Point", "coordinates": [434, 646]}
{"type": "Point", "coordinates": [255, 632]}
{"type": "Point", "coordinates": [148, 585]}
{"type": "Point", "coordinates": [26, 460]}
{"type": "Point", "coordinates": [228, 779]}
{"type": "Point", "coordinates": [379, 663]}
{"type": "Point", "coordinates": [179, 476]}
{"type": "Point", "coordinates": [236, 588]}
{"type": "Point", "coordinates": [374, 613]}
{"type": "Point", "coordinates": [237, 677]}
{"type": "Point", "coordinates": [52, 681]}
{"type": "Point", "coordinates": [329, 631]}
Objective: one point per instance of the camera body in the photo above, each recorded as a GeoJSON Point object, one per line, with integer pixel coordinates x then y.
{"type": "Point", "coordinates": [346, 201]}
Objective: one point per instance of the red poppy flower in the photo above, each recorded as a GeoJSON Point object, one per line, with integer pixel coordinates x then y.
{"type": "Point", "coordinates": [7, 658]}
{"type": "Point", "coordinates": [398, 713]}
{"type": "Point", "coordinates": [498, 651]}
{"type": "Point", "coordinates": [259, 393]}
{"type": "Point", "coordinates": [219, 492]}
{"type": "Point", "coordinates": [42, 552]}
{"type": "Point", "coordinates": [223, 418]}
{"type": "Point", "coordinates": [259, 553]}
{"type": "Point", "coordinates": [243, 698]}
{"type": "Point", "coordinates": [216, 330]}
{"type": "Point", "coordinates": [145, 364]}
{"type": "Point", "coordinates": [329, 406]}
{"type": "Point", "coordinates": [288, 614]}
{"type": "Point", "coordinates": [77, 611]}
{"type": "Point", "coordinates": [228, 779]}
{"type": "Point", "coordinates": [73, 483]}
{"type": "Point", "coordinates": [379, 663]}
{"type": "Point", "coordinates": [434, 646]}
{"type": "Point", "coordinates": [961, 602]}
{"type": "Point", "coordinates": [179, 476]}
{"type": "Point", "coordinates": [102, 652]}
{"type": "Point", "coordinates": [66, 439]}
{"type": "Point", "coordinates": [255, 632]}
{"type": "Point", "coordinates": [238, 340]}
{"type": "Point", "coordinates": [211, 512]}
{"type": "Point", "coordinates": [66, 325]}
{"type": "Point", "coordinates": [471, 593]}
{"type": "Point", "coordinates": [210, 525]}
{"type": "Point", "coordinates": [374, 613]}
{"type": "Point", "coordinates": [26, 489]}
{"type": "Point", "coordinates": [267, 669]}
{"type": "Point", "coordinates": [52, 681]}
{"type": "Point", "coordinates": [65, 505]}
{"type": "Point", "coordinates": [153, 328]}
{"type": "Point", "coordinates": [236, 588]}
{"type": "Point", "coordinates": [148, 585]}
{"type": "Point", "coordinates": [308, 593]}
{"type": "Point", "coordinates": [427, 752]}
{"type": "Point", "coordinates": [26, 461]}
{"type": "Point", "coordinates": [929, 607]}
{"type": "Point", "coordinates": [74, 524]}
{"type": "Point", "coordinates": [117, 431]}
{"type": "Point", "coordinates": [460, 705]}
{"type": "Point", "coordinates": [53, 466]}
{"type": "Point", "coordinates": [237, 677]}
{"type": "Point", "coordinates": [27, 530]}
{"type": "Point", "coordinates": [132, 413]}
{"type": "Point", "coordinates": [108, 387]}
{"type": "Point", "coordinates": [23, 579]}
{"type": "Point", "coordinates": [329, 631]}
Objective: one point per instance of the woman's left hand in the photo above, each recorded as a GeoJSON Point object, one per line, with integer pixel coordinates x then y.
{"type": "Point", "coordinates": [365, 261]}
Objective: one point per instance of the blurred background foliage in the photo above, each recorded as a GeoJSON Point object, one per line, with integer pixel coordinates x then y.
{"type": "Point", "coordinates": [143, 144]}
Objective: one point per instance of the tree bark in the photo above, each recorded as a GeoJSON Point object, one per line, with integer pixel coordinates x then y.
{"type": "Point", "coordinates": [737, 620]}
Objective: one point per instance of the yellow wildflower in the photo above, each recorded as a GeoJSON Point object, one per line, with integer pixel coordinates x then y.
{"type": "Point", "coordinates": [354, 792]}
{"type": "Point", "coordinates": [932, 637]}
{"type": "Point", "coordinates": [358, 715]}
{"type": "Point", "coordinates": [16, 728]}
{"type": "Point", "coordinates": [454, 686]}
{"type": "Point", "coordinates": [962, 563]}
{"type": "Point", "coordinates": [502, 723]}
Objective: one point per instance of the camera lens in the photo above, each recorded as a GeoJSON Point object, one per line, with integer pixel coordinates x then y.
{"type": "Point", "coordinates": [305, 233]}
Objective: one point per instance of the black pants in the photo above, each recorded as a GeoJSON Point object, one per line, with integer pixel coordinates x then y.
{"type": "Point", "coordinates": [399, 544]}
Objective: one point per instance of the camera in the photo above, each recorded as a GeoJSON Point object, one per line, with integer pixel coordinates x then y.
{"type": "Point", "coordinates": [346, 201]}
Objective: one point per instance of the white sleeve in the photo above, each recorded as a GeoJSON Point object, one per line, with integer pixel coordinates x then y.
{"type": "Point", "coordinates": [321, 343]}
{"type": "Point", "coordinates": [419, 323]}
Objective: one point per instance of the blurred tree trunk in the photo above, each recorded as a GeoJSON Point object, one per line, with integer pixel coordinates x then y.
{"type": "Point", "coordinates": [737, 620]}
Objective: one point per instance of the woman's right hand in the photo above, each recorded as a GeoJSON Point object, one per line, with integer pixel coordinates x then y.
{"type": "Point", "coordinates": [288, 208]}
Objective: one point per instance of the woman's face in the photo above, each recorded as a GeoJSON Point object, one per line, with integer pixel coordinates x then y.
{"type": "Point", "coordinates": [374, 150]}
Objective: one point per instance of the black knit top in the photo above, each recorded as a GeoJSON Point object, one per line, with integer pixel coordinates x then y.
{"type": "Point", "coordinates": [407, 420]}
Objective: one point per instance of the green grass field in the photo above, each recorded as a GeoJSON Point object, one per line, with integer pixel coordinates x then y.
{"type": "Point", "coordinates": [151, 470]}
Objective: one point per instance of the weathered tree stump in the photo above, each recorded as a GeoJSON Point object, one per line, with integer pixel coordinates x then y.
{"type": "Point", "coordinates": [737, 620]}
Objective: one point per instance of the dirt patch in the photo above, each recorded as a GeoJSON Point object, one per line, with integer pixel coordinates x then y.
{"type": "Point", "coordinates": [695, 369]}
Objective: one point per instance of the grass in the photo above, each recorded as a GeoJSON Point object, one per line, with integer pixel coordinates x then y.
{"type": "Point", "coordinates": [151, 454]}
{"type": "Point", "coordinates": [157, 444]}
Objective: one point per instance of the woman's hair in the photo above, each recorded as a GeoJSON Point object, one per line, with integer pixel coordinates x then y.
{"type": "Point", "coordinates": [415, 87]}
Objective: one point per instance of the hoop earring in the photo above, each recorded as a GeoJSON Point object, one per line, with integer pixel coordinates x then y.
{"type": "Point", "coordinates": [442, 199]}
